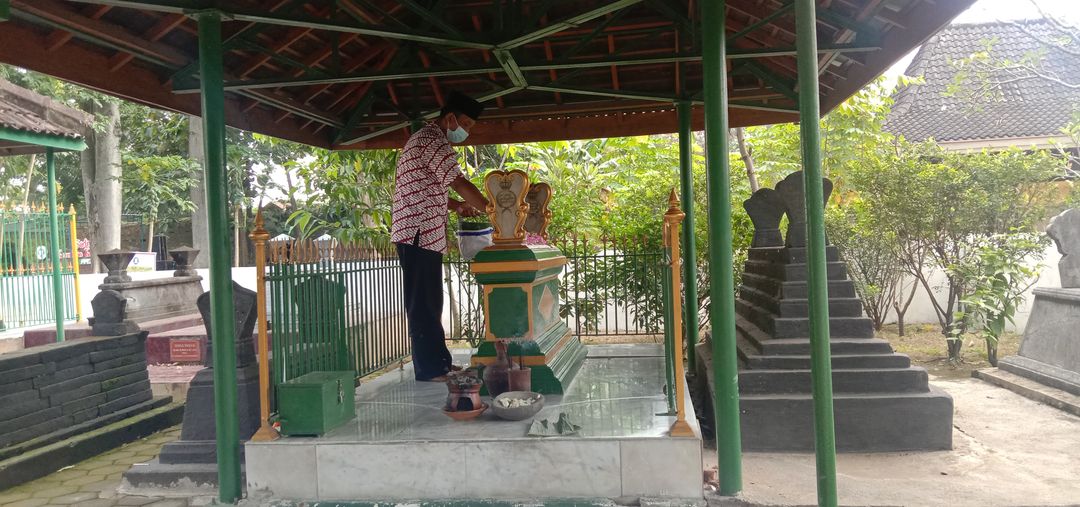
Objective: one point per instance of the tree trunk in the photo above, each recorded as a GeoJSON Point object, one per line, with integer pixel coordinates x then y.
{"type": "Point", "coordinates": [22, 222]}
{"type": "Point", "coordinates": [200, 228]}
{"type": "Point", "coordinates": [747, 158]}
{"type": "Point", "coordinates": [991, 353]}
{"type": "Point", "coordinates": [150, 236]}
{"type": "Point", "coordinates": [101, 171]}
{"type": "Point", "coordinates": [901, 310]}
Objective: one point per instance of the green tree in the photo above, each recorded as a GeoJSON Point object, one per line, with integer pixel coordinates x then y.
{"type": "Point", "coordinates": [158, 188]}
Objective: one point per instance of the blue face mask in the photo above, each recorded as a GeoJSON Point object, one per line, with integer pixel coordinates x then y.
{"type": "Point", "coordinates": [457, 135]}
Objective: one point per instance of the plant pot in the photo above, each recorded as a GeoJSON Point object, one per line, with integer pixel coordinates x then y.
{"type": "Point", "coordinates": [463, 398]}
{"type": "Point", "coordinates": [474, 226]}
{"type": "Point", "coordinates": [521, 379]}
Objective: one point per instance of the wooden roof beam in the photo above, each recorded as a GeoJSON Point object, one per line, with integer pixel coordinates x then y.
{"type": "Point", "coordinates": [58, 38]}
{"type": "Point", "coordinates": [571, 22]}
{"type": "Point", "coordinates": [165, 25]}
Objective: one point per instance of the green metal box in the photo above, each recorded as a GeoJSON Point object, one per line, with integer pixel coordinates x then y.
{"type": "Point", "coordinates": [315, 403]}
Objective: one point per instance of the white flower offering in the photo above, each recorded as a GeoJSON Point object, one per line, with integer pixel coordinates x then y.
{"type": "Point", "coordinates": [515, 402]}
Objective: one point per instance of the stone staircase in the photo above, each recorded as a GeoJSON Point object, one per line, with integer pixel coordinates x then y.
{"type": "Point", "coordinates": [881, 402]}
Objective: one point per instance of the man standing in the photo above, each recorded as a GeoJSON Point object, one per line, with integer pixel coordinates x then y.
{"type": "Point", "coordinates": [426, 169]}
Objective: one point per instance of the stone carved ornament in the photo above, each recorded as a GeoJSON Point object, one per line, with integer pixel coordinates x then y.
{"type": "Point", "coordinates": [791, 192]}
{"type": "Point", "coordinates": [766, 209]}
{"type": "Point", "coordinates": [507, 208]}
{"type": "Point", "coordinates": [1064, 229]}
{"type": "Point", "coordinates": [539, 216]}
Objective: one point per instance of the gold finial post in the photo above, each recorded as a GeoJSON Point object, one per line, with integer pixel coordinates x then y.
{"type": "Point", "coordinates": [259, 236]}
{"type": "Point", "coordinates": [672, 220]}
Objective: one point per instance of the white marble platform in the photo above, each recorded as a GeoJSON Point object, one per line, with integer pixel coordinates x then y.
{"type": "Point", "coordinates": [402, 447]}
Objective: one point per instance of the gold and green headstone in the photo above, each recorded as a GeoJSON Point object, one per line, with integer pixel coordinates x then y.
{"type": "Point", "coordinates": [521, 304]}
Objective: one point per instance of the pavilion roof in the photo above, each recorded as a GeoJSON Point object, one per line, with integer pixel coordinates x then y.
{"type": "Point", "coordinates": [355, 73]}
{"type": "Point", "coordinates": [30, 122]}
{"type": "Point", "coordinates": [1028, 109]}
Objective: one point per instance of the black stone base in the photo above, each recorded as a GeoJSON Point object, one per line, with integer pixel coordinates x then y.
{"type": "Point", "coordinates": [884, 422]}
{"type": "Point", "coordinates": [191, 477]}
{"type": "Point", "coordinates": [1046, 374]}
{"type": "Point", "coordinates": [199, 416]}
{"type": "Point", "coordinates": [875, 409]}
{"type": "Point", "coordinates": [90, 439]}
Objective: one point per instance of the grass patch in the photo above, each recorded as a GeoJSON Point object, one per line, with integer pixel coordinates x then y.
{"type": "Point", "coordinates": [926, 346]}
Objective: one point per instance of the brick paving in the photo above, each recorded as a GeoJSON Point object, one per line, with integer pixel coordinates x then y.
{"type": "Point", "coordinates": [94, 482]}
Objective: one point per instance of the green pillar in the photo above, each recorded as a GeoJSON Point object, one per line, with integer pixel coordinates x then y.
{"type": "Point", "coordinates": [686, 173]}
{"type": "Point", "coordinates": [54, 245]}
{"type": "Point", "coordinates": [721, 273]}
{"type": "Point", "coordinates": [221, 294]}
{"type": "Point", "coordinates": [817, 276]}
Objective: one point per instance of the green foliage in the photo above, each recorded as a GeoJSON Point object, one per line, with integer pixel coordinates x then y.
{"type": "Point", "coordinates": [871, 256]}
{"type": "Point", "coordinates": [159, 188]}
{"type": "Point", "coordinates": [996, 275]}
{"type": "Point", "coordinates": [349, 194]}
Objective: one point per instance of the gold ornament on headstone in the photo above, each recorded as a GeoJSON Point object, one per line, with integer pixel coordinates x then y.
{"type": "Point", "coordinates": [507, 208]}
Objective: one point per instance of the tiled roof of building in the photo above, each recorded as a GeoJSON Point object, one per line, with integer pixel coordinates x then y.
{"type": "Point", "coordinates": [27, 111]}
{"type": "Point", "coordinates": [1029, 108]}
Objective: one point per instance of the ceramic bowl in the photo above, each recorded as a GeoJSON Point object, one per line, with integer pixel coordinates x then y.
{"type": "Point", "coordinates": [518, 413]}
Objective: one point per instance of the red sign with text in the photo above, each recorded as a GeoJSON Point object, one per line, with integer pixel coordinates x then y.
{"type": "Point", "coordinates": [185, 351]}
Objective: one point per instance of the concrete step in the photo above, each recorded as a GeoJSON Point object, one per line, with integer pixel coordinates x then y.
{"type": "Point", "coordinates": [839, 361]}
{"type": "Point", "coordinates": [1031, 389]}
{"type": "Point", "coordinates": [880, 422]}
{"type": "Point", "coordinates": [872, 380]}
{"type": "Point", "coordinates": [799, 307]}
{"type": "Point", "coordinates": [35, 337]}
{"type": "Point", "coordinates": [797, 327]}
{"type": "Point", "coordinates": [782, 289]}
{"type": "Point", "coordinates": [789, 255]}
{"type": "Point", "coordinates": [876, 422]}
{"type": "Point", "coordinates": [767, 345]}
{"type": "Point", "coordinates": [793, 272]}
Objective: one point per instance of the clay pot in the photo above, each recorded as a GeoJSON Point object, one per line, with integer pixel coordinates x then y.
{"type": "Point", "coordinates": [497, 376]}
{"type": "Point", "coordinates": [521, 379]}
{"type": "Point", "coordinates": [463, 398]}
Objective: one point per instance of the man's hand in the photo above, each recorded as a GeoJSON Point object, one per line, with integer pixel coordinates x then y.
{"type": "Point", "coordinates": [468, 211]}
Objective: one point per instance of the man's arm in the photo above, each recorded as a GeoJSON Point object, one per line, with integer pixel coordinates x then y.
{"type": "Point", "coordinates": [472, 195]}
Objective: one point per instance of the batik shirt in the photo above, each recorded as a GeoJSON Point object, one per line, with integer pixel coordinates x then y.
{"type": "Point", "coordinates": [426, 168]}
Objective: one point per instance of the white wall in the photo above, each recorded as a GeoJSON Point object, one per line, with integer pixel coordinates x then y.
{"type": "Point", "coordinates": [922, 310]}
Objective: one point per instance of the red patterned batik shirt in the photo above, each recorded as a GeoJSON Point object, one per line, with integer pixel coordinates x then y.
{"type": "Point", "coordinates": [426, 168]}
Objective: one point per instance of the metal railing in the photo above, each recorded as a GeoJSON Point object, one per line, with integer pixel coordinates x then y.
{"type": "Point", "coordinates": [26, 268]}
{"type": "Point", "coordinates": [334, 307]}
{"type": "Point", "coordinates": [610, 286]}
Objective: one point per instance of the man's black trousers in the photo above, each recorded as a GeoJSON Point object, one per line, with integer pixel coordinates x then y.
{"type": "Point", "coordinates": [423, 276]}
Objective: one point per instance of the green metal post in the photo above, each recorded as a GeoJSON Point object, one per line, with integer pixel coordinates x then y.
{"type": "Point", "coordinates": [54, 245]}
{"type": "Point", "coordinates": [817, 276]}
{"type": "Point", "coordinates": [722, 276]}
{"type": "Point", "coordinates": [221, 293]}
{"type": "Point", "coordinates": [669, 336]}
{"type": "Point", "coordinates": [686, 173]}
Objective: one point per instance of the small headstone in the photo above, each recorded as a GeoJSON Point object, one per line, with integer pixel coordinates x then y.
{"type": "Point", "coordinates": [791, 192]}
{"type": "Point", "coordinates": [184, 257]}
{"type": "Point", "coordinates": [245, 304]}
{"type": "Point", "coordinates": [116, 261]}
{"type": "Point", "coordinates": [110, 315]}
{"type": "Point", "coordinates": [536, 222]}
{"type": "Point", "coordinates": [766, 209]}
{"type": "Point", "coordinates": [1064, 229]}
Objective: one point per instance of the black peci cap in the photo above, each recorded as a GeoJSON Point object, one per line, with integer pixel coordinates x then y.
{"type": "Point", "coordinates": [460, 103]}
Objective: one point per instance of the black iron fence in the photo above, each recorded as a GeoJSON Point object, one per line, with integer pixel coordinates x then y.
{"type": "Point", "coordinates": [611, 285]}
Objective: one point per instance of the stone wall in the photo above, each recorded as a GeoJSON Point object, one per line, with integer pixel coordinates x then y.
{"type": "Point", "coordinates": [55, 386]}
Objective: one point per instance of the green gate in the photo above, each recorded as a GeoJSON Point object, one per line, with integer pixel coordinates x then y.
{"type": "Point", "coordinates": [26, 268]}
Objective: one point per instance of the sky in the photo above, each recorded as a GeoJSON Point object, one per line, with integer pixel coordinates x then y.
{"type": "Point", "coordinates": [984, 11]}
